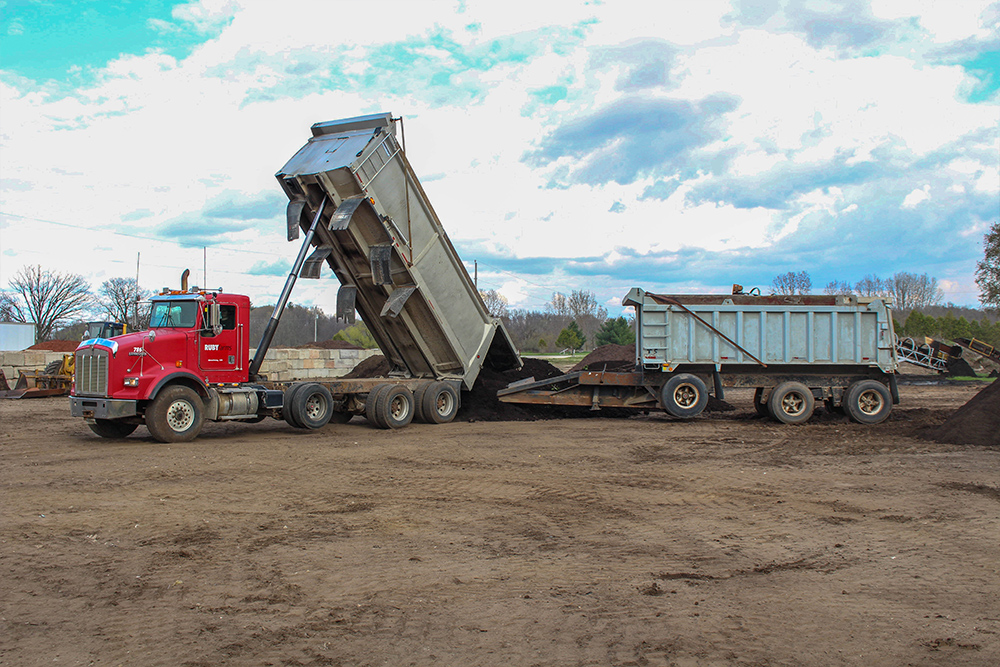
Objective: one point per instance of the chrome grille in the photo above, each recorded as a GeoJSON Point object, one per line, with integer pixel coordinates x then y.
{"type": "Point", "coordinates": [92, 372]}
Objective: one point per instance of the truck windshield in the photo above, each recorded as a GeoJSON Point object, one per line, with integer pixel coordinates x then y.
{"type": "Point", "coordinates": [176, 314]}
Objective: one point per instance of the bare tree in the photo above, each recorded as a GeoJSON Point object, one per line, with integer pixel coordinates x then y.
{"type": "Point", "coordinates": [912, 291]}
{"type": "Point", "coordinates": [120, 299]}
{"type": "Point", "coordinates": [988, 270]}
{"type": "Point", "coordinates": [791, 283]}
{"type": "Point", "coordinates": [838, 287]}
{"type": "Point", "coordinates": [558, 305]}
{"type": "Point", "coordinates": [496, 303]}
{"type": "Point", "coordinates": [47, 298]}
{"type": "Point", "coordinates": [872, 285]}
{"type": "Point", "coordinates": [583, 303]}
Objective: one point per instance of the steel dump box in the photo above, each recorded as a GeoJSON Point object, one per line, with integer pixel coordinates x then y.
{"type": "Point", "coordinates": [383, 240]}
{"type": "Point", "coordinates": [731, 331]}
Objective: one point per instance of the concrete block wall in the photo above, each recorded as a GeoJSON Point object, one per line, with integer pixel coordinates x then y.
{"type": "Point", "coordinates": [280, 365]}
{"type": "Point", "coordinates": [12, 363]}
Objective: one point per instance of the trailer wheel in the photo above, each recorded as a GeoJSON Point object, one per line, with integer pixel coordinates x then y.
{"type": "Point", "coordinates": [684, 395]}
{"type": "Point", "coordinates": [791, 403]}
{"type": "Point", "coordinates": [418, 401]}
{"type": "Point", "coordinates": [175, 415]}
{"type": "Point", "coordinates": [312, 405]}
{"type": "Point", "coordinates": [394, 407]}
{"type": "Point", "coordinates": [868, 402]}
{"type": "Point", "coordinates": [438, 403]}
{"type": "Point", "coordinates": [371, 413]}
{"type": "Point", "coordinates": [112, 428]}
{"type": "Point", "coordinates": [760, 402]}
{"type": "Point", "coordinates": [288, 406]}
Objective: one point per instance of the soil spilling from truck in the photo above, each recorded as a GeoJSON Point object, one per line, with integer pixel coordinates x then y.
{"type": "Point", "coordinates": [975, 423]}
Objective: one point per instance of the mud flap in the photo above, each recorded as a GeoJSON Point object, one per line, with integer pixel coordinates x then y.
{"type": "Point", "coordinates": [346, 297]}
{"type": "Point", "coordinates": [394, 305]}
{"type": "Point", "coordinates": [312, 267]}
{"type": "Point", "coordinates": [294, 212]}
{"type": "Point", "coordinates": [381, 254]}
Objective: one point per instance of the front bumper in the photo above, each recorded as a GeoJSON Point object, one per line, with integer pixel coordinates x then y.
{"type": "Point", "coordinates": [101, 408]}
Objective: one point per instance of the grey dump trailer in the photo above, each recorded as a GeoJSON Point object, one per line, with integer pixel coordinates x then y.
{"type": "Point", "coordinates": [794, 350]}
{"type": "Point", "coordinates": [366, 216]}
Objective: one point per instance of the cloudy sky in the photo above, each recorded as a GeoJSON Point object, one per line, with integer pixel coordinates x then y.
{"type": "Point", "coordinates": [679, 145]}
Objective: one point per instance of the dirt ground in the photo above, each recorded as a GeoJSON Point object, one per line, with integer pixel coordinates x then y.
{"type": "Point", "coordinates": [726, 539]}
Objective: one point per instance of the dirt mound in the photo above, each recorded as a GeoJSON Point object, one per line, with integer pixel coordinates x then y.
{"type": "Point", "coordinates": [372, 367]}
{"type": "Point", "coordinates": [482, 404]}
{"type": "Point", "coordinates": [329, 345]}
{"type": "Point", "coordinates": [975, 423]}
{"type": "Point", "coordinates": [608, 358]}
{"type": "Point", "coordinates": [56, 345]}
{"type": "Point", "coordinates": [960, 368]}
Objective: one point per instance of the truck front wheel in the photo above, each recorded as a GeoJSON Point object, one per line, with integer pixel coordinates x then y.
{"type": "Point", "coordinates": [111, 428]}
{"type": "Point", "coordinates": [175, 415]}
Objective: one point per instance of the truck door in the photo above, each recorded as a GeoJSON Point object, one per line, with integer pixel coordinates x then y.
{"type": "Point", "coordinates": [219, 352]}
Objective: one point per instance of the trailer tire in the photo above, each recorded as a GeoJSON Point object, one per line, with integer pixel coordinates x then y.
{"type": "Point", "coordinates": [394, 406]}
{"type": "Point", "coordinates": [791, 403]}
{"type": "Point", "coordinates": [760, 402]}
{"type": "Point", "coordinates": [868, 402]}
{"type": "Point", "coordinates": [418, 402]}
{"type": "Point", "coordinates": [371, 413]}
{"type": "Point", "coordinates": [112, 428]}
{"type": "Point", "coordinates": [312, 405]}
{"type": "Point", "coordinates": [288, 405]}
{"type": "Point", "coordinates": [176, 414]}
{"type": "Point", "coordinates": [684, 396]}
{"type": "Point", "coordinates": [438, 403]}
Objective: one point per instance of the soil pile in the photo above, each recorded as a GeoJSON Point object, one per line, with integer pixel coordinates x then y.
{"type": "Point", "coordinates": [329, 345]}
{"type": "Point", "coordinates": [975, 423]}
{"type": "Point", "coordinates": [960, 368]}
{"type": "Point", "coordinates": [56, 345]}
{"type": "Point", "coordinates": [617, 358]}
{"type": "Point", "coordinates": [372, 367]}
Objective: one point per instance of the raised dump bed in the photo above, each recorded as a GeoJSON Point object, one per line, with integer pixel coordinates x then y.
{"type": "Point", "coordinates": [379, 233]}
{"type": "Point", "coordinates": [794, 350]}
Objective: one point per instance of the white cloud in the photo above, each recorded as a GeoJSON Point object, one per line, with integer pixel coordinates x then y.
{"type": "Point", "coordinates": [913, 199]}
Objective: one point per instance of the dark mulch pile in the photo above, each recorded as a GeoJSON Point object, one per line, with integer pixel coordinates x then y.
{"type": "Point", "coordinates": [56, 345]}
{"type": "Point", "coordinates": [618, 358]}
{"type": "Point", "coordinates": [329, 345]}
{"type": "Point", "coordinates": [975, 423]}
{"type": "Point", "coordinates": [372, 367]}
{"type": "Point", "coordinates": [960, 368]}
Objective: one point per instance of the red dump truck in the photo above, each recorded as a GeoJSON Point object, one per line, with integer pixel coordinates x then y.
{"type": "Point", "coordinates": [353, 193]}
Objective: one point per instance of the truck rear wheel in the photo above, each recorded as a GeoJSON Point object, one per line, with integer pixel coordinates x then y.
{"type": "Point", "coordinates": [791, 403]}
{"type": "Point", "coordinates": [175, 415]}
{"type": "Point", "coordinates": [287, 405]}
{"type": "Point", "coordinates": [394, 407]}
{"type": "Point", "coordinates": [312, 405]}
{"type": "Point", "coordinates": [868, 402]}
{"type": "Point", "coordinates": [684, 396]}
{"type": "Point", "coordinates": [371, 403]}
{"type": "Point", "coordinates": [112, 428]}
{"type": "Point", "coordinates": [438, 403]}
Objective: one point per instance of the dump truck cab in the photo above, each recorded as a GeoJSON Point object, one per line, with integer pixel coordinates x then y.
{"type": "Point", "coordinates": [197, 340]}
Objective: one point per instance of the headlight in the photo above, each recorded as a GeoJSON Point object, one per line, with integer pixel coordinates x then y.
{"type": "Point", "coordinates": [131, 382]}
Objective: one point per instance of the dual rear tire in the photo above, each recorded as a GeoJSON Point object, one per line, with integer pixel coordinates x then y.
{"type": "Point", "coordinates": [865, 402]}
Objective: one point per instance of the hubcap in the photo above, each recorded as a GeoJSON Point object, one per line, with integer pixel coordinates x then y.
{"type": "Point", "coordinates": [685, 396]}
{"type": "Point", "coordinates": [444, 403]}
{"type": "Point", "coordinates": [870, 402]}
{"type": "Point", "coordinates": [180, 416]}
{"type": "Point", "coordinates": [399, 407]}
{"type": "Point", "coordinates": [793, 404]}
{"type": "Point", "coordinates": [315, 406]}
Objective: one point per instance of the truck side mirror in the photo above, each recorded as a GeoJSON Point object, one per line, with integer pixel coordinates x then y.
{"type": "Point", "coordinates": [213, 327]}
